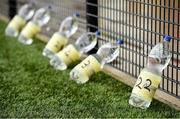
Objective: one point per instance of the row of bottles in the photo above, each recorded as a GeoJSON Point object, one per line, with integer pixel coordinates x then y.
{"type": "Point", "coordinates": [73, 52]}
{"type": "Point", "coordinates": [28, 22]}
{"type": "Point", "coordinates": [60, 38]}
{"type": "Point", "coordinates": [62, 54]}
{"type": "Point", "coordinates": [33, 27]}
{"type": "Point", "coordinates": [25, 13]}
{"type": "Point", "coordinates": [148, 80]}
{"type": "Point", "coordinates": [95, 62]}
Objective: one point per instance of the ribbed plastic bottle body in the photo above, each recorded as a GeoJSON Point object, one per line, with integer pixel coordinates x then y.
{"type": "Point", "coordinates": [69, 26]}
{"type": "Point", "coordinates": [86, 42]}
{"type": "Point", "coordinates": [108, 53]}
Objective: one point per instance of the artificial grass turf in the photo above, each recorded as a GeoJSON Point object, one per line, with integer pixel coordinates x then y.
{"type": "Point", "coordinates": [30, 87]}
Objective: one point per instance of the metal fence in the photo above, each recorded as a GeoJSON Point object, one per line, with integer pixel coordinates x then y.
{"type": "Point", "coordinates": [141, 23]}
{"type": "Point", "coordinates": [60, 10]}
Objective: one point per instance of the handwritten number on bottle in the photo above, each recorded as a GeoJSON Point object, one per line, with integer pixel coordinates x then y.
{"type": "Point", "coordinates": [146, 85]}
{"type": "Point", "coordinates": [85, 64]}
{"type": "Point", "coordinates": [138, 85]}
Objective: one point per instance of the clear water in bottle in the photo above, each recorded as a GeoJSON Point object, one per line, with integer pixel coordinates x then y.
{"type": "Point", "coordinates": [108, 53]}
{"type": "Point", "coordinates": [67, 28]}
{"type": "Point", "coordinates": [84, 44]}
{"type": "Point", "coordinates": [41, 18]}
{"type": "Point", "coordinates": [94, 63]}
{"type": "Point", "coordinates": [70, 25]}
{"type": "Point", "coordinates": [158, 60]}
{"type": "Point", "coordinates": [25, 13]}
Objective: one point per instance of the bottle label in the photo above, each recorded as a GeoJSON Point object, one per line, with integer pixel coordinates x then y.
{"type": "Point", "coordinates": [89, 66]}
{"type": "Point", "coordinates": [17, 23]}
{"type": "Point", "coordinates": [31, 30]}
{"type": "Point", "coordinates": [56, 43]}
{"type": "Point", "coordinates": [146, 85]}
{"type": "Point", "coordinates": [69, 54]}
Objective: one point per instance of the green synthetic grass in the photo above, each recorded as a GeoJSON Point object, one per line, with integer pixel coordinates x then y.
{"type": "Point", "coordinates": [30, 87]}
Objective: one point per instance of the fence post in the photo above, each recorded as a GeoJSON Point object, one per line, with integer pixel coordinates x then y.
{"type": "Point", "coordinates": [12, 8]}
{"type": "Point", "coordinates": [92, 20]}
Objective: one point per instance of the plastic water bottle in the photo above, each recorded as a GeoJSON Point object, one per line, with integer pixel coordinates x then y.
{"type": "Point", "coordinates": [94, 63]}
{"type": "Point", "coordinates": [25, 13]}
{"type": "Point", "coordinates": [41, 18]}
{"type": "Point", "coordinates": [150, 77]}
{"type": "Point", "coordinates": [67, 28]}
{"type": "Point", "coordinates": [72, 53]}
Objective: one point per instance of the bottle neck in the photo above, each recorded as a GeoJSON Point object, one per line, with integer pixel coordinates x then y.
{"type": "Point", "coordinates": [26, 11]}
{"type": "Point", "coordinates": [86, 42]}
{"type": "Point", "coordinates": [153, 69]}
{"type": "Point", "coordinates": [165, 48]}
{"type": "Point", "coordinates": [23, 14]}
{"type": "Point", "coordinates": [99, 59]}
{"type": "Point", "coordinates": [62, 34]}
{"type": "Point", "coordinates": [78, 48]}
{"type": "Point", "coordinates": [159, 58]}
{"type": "Point", "coordinates": [41, 16]}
